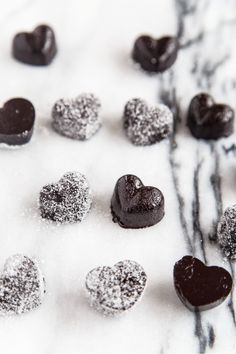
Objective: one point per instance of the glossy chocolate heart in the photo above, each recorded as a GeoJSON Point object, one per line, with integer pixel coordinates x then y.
{"type": "Point", "coordinates": [16, 122]}
{"type": "Point", "coordinates": [113, 290]}
{"type": "Point", "coordinates": [200, 287]}
{"type": "Point", "coordinates": [209, 120]}
{"type": "Point", "coordinates": [35, 48]}
{"type": "Point", "coordinates": [134, 205]}
{"type": "Point", "coordinates": [22, 286]}
{"type": "Point", "coordinates": [155, 55]}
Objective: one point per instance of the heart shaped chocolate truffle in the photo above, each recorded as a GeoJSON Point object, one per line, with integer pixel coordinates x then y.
{"type": "Point", "coordinates": [77, 118]}
{"type": "Point", "coordinates": [16, 122]}
{"type": "Point", "coordinates": [22, 286]}
{"type": "Point", "coordinates": [226, 232]}
{"type": "Point", "coordinates": [66, 201]}
{"type": "Point", "coordinates": [209, 120]}
{"type": "Point", "coordinates": [146, 125]}
{"type": "Point", "coordinates": [113, 290]}
{"type": "Point", "coordinates": [134, 205]}
{"type": "Point", "coordinates": [35, 48]}
{"type": "Point", "coordinates": [200, 287]}
{"type": "Point", "coordinates": [155, 55]}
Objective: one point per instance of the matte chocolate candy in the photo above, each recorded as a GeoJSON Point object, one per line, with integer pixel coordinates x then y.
{"type": "Point", "coordinates": [200, 287]}
{"type": "Point", "coordinates": [114, 290]}
{"type": "Point", "coordinates": [209, 120]}
{"type": "Point", "coordinates": [16, 122]}
{"type": "Point", "coordinates": [67, 201]}
{"type": "Point", "coordinates": [226, 232]}
{"type": "Point", "coordinates": [35, 48]}
{"type": "Point", "coordinates": [22, 286]}
{"type": "Point", "coordinates": [155, 55]}
{"type": "Point", "coordinates": [134, 205]}
{"type": "Point", "coordinates": [145, 125]}
{"type": "Point", "coordinates": [77, 118]}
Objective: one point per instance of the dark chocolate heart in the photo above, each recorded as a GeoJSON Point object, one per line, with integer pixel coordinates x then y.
{"type": "Point", "coordinates": [16, 121]}
{"type": "Point", "coordinates": [200, 287]}
{"type": "Point", "coordinates": [134, 205]}
{"type": "Point", "coordinates": [209, 120]}
{"type": "Point", "coordinates": [155, 55]}
{"type": "Point", "coordinates": [35, 48]}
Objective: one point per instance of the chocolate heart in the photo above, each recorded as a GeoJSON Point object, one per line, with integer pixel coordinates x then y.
{"type": "Point", "coordinates": [77, 118]}
{"type": "Point", "coordinates": [113, 290]}
{"type": "Point", "coordinates": [135, 206]}
{"type": "Point", "coordinates": [146, 125]}
{"type": "Point", "coordinates": [226, 232]}
{"type": "Point", "coordinates": [200, 287]}
{"type": "Point", "coordinates": [22, 286]}
{"type": "Point", "coordinates": [16, 122]}
{"type": "Point", "coordinates": [35, 48]}
{"type": "Point", "coordinates": [155, 55]}
{"type": "Point", "coordinates": [67, 201]}
{"type": "Point", "coordinates": [208, 120]}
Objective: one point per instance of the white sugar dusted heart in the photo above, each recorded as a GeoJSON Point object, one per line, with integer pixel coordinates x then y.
{"type": "Point", "coordinates": [67, 201]}
{"type": "Point", "coordinates": [113, 290]}
{"type": "Point", "coordinates": [146, 125]}
{"type": "Point", "coordinates": [226, 232]}
{"type": "Point", "coordinates": [77, 118]}
{"type": "Point", "coordinates": [22, 286]}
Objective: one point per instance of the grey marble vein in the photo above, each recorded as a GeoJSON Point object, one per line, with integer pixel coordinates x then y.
{"type": "Point", "coordinates": [204, 70]}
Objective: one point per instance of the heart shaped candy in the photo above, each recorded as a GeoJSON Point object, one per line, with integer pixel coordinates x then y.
{"type": "Point", "coordinates": [146, 125]}
{"type": "Point", "coordinates": [209, 120]}
{"type": "Point", "coordinates": [200, 287]}
{"type": "Point", "coordinates": [113, 290]}
{"type": "Point", "coordinates": [16, 122]}
{"type": "Point", "coordinates": [134, 205]}
{"type": "Point", "coordinates": [226, 232]}
{"type": "Point", "coordinates": [77, 118]}
{"type": "Point", "coordinates": [22, 286]}
{"type": "Point", "coordinates": [35, 48]}
{"type": "Point", "coordinates": [155, 55]}
{"type": "Point", "coordinates": [66, 201]}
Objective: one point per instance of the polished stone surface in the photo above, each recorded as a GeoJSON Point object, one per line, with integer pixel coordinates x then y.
{"type": "Point", "coordinates": [197, 178]}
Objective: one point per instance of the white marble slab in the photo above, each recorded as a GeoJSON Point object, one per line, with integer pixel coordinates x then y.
{"type": "Point", "coordinates": [95, 38]}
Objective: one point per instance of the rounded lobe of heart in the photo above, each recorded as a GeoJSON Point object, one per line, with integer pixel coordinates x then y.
{"type": "Point", "coordinates": [35, 48]}
{"type": "Point", "coordinates": [209, 120]}
{"type": "Point", "coordinates": [116, 289]}
{"type": "Point", "coordinates": [134, 205]}
{"type": "Point", "coordinates": [16, 121]}
{"type": "Point", "coordinates": [200, 287]}
{"type": "Point", "coordinates": [155, 55]}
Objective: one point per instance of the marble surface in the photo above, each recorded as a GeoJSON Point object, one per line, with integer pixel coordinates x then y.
{"type": "Point", "coordinates": [197, 178]}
